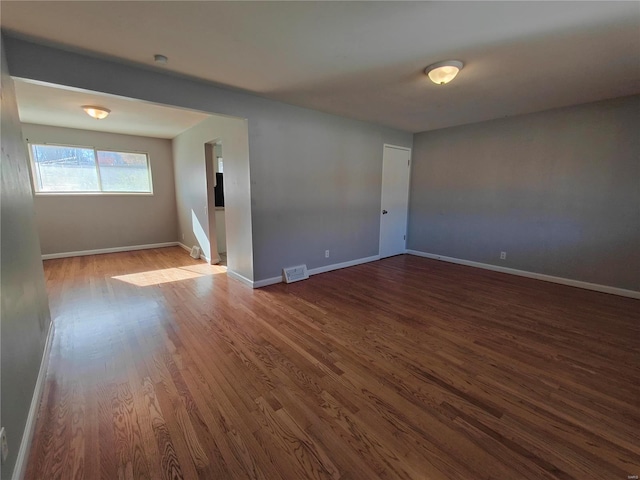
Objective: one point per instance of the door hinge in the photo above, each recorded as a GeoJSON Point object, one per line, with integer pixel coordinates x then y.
{"type": "Point", "coordinates": [404, 237]}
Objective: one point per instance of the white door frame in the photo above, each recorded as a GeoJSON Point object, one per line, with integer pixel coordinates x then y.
{"type": "Point", "coordinates": [406, 226]}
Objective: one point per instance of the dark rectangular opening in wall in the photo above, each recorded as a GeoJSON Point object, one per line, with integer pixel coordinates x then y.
{"type": "Point", "coordinates": [219, 190]}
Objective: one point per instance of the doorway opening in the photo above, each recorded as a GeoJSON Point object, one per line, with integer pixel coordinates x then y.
{"type": "Point", "coordinates": [173, 138]}
{"type": "Point", "coordinates": [214, 165]}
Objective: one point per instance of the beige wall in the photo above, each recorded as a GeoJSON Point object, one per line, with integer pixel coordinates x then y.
{"type": "Point", "coordinates": [221, 234]}
{"type": "Point", "coordinates": [191, 189]}
{"type": "Point", "coordinates": [24, 316]}
{"type": "Point", "coordinates": [315, 178]}
{"type": "Point", "coordinates": [71, 223]}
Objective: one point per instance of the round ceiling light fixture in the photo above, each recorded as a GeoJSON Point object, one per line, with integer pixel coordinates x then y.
{"type": "Point", "coordinates": [160, 59]}
{"type": "Point", "coordinates": [442, 73]}
{"type": "Point", "coordinates": [96, 112]}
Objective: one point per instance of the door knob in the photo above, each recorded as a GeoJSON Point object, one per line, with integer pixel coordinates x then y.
{"type": "Point", "coordinates": [384, 212]}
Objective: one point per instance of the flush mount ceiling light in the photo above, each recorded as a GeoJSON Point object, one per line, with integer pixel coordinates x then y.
{"type": "Point", "coordinates": [96, 112]}
{"type": "Point", "coordinates": [442, 73]}
{"type": "Point", "coordinates": [160, 59]}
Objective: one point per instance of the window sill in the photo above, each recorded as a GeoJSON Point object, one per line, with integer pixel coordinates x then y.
{"type": "Point", "coordinates": [93, 194]}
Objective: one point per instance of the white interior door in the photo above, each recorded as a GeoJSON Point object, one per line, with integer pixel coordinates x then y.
{"type": "Point", "coordinates": [395, 200]}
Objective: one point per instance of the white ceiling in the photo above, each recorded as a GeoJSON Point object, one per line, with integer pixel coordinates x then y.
{"type": "Point", "coordinates": [365, 59]}
{"type": "Point", "coordinates": [48, 105]}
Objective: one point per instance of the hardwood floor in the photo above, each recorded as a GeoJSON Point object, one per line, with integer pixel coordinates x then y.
{"type": "Point", "coordinates": [164, 368]}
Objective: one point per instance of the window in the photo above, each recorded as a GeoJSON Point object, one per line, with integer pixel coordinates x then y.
{"type": "Point", "coordinates": [67, 169]}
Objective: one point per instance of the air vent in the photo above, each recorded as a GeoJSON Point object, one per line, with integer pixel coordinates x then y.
{"type": "Point", "coordinates": [294, 274]}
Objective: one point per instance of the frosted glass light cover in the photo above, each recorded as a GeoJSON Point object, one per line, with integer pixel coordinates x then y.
{"type": "Point", "coordinates": [443, 72]}
{"type": "Point", "coordinates": [96, 112]}
{"type": "Point", "coordinates": [443, 75]}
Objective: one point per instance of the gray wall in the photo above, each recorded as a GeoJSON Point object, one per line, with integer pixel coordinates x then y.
{"type": "Point", "coordinates": [559, 191]}
{"type": "Point", "coordinates": [315, 178]}
{"type": "Point", "coordinates": [24, 317]}
{"type": "Point", "coordinates": [70, 223]}
{"type": "Point", "coordinates": [316, 182]}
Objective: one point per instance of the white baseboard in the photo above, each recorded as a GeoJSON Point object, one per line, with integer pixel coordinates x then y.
{"type": "Point", "coordinates": [337, 266]}
{"type": "Point", "coordinates": [242, 278]}
{"type": "Point", "coordinates": [29, 428]}
{"type": "Point", "coordinates": [538, 276]}
{"type": "Point", "coordinates": [99, 251]}
{"type": "Point", "coordinates": [317, 270]}
{"type": "Point", "coordinates": [267, 281]}
{"type": "Point", "coordinates": [202, 255]}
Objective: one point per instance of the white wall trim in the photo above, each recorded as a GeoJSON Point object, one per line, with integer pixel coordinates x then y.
{"type": "Point", "coordinates": [538, 276]}
{"type": "Point", "coordinates": [267, 281]}
{"type": "Point", "coordinates": [318, 270]}
{"type": "Point", "coordinates": [397, 147]}
{"type": "Point", "coordinates": [99, 251]}
{"type": "Point", "coordinates": [241, 278]}
{"type": "Point", "coordinates": [29, 428]}
{"type": "Point", "coordinates": [202, 255]}
{"type": "Point", "coordinates": [314, 271]}
{"type": "Point", "coordinates": [337, 266]}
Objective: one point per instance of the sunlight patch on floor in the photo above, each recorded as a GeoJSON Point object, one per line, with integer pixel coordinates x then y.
{"type": "Point", "coordinates": [205, 268]}
{"type": "Point", "coordinates": [167, 275]}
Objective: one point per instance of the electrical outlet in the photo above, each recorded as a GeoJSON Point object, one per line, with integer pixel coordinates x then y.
{"type": "Point", "coordinates": [326, 254]}
{"type": "Point", "coordinates": [4, 446]}
{"type": "Point", "coordinates": [503, 255]}
{"type": "Point", "coordinates": [183, 236]}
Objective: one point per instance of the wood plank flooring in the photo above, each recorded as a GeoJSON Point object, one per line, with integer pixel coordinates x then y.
{"type": "Point", "coordinates": [162, 367]}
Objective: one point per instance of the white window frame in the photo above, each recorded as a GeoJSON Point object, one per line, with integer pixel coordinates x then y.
{"type": "Point", "coordinates": [35, 177]}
